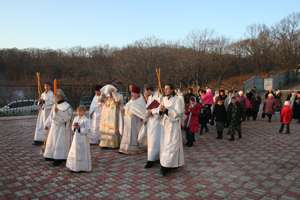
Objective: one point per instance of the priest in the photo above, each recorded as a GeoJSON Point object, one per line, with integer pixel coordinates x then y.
{"type": "Point", "coordinates": [95, 115]}
{"type": "Point", "coordinates": [171, 149]}
{"type": "Point", "coordinates": [59, 138]}
{"type": "Point", "coordinates": [109, 123]}
{"type": "Point", "coordinates": [135, 113]}
{"type": "Point", "coordinates": [153, 126]}
{"type": "Point", "coordinates": [45, 103]}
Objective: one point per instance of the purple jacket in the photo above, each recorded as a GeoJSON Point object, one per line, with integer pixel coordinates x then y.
{"type": "Point", "coordinates": [207, 98]}
{"type": "Point", "coordinates": [270, 105]}
{"type": "Point", "coordinates": [242, 100]}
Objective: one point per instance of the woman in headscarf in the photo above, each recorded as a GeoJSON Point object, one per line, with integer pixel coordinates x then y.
{"type": "Point", "coordinates": [191, 125]}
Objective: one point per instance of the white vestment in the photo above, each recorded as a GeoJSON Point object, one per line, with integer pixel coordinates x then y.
{"type": "Point", "coordinates": [59, 138]}
{"type": "Point", "coordinates": [154, 129]}
{"type": "Point", "coordinates": [79, 158]}
{"type": "Point", "coordinates": [95, 111]}
{"type": "Point", "coordinates": [135, 113]}
{"type": "Point", "coordinates": [43, 115]}
{"type": "Point", "coordinates": [183, 116]}
{"type": "Point", "coordinates": [171, 139]}
{"type": "Point", "coordinates": [109, 123]}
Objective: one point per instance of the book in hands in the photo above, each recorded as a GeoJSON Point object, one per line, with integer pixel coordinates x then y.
{"type": "Point", "coordinates": [153, 105]}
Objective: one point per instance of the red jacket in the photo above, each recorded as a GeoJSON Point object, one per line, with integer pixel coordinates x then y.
{"type": "Point", "coordinates": [194, 125]}
{"type": "Point", "coordinates": [286, 115]}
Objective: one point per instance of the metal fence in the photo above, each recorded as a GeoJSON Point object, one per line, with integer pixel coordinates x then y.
{"type": "Point", "coordinates": [22, 100]}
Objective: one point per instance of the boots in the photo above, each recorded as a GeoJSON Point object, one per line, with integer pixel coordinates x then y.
{"type": "Point", "coordinates": [240, 135]}
{"type": "Point", "coordinates": [232, 137]}
{"type": "Point", "coordinates": [218, 135]}
{"type": "Point", "coordinates": [149, 164]}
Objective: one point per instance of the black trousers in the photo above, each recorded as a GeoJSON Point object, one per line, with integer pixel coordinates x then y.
{"type": "Point", "coordinates": [203, 125]}
{"type": "Point", "coordinates": [254, 114]}
{"type": "Point", "coordinates": [269, 116]}
{"type": "Point", "coordinates": [189, 136]}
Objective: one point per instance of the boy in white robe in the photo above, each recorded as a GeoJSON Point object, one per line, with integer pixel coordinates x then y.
{"type": "Point", "coordinates": [171, 155]}
{"type": "Point", "coordinates": [59, 138]}
{"type": "Point", "coordinates": [79, 158]}
{"type": "Point", "coordinates": [135, 113]}
{"type": "Point", "coordinates": [95, 115]}
{"type": "Point", "coordinates": [45, 102]}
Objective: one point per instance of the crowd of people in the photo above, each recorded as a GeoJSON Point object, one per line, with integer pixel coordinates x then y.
{"type": "Point", "coordinates": [149, 122]}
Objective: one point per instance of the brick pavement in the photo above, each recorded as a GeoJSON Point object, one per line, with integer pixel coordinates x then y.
{"type": "Point", "coordinates": [262, 165]}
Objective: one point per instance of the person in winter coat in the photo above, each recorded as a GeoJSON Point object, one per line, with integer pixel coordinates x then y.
{"type": "Point", "coordinates": [249, 94]}
{"type": "Point", "coordinates": [191, 125]}
{"type": "Point", "coordinates": [269, 92]}
{"type": "Point", "coordinates": [286, 116]}
{"type": "Point", "coordinates": [235, 116]}
{"type": "Point", "coordinates": [222, 96]}
{"type": "Point", "coordinates": [255, 102]}
{"type": "Point", "coordinates": [278, 96]}
{"type": "Point", "coordinates": [270, 106]}
{"type": "Point", "coordinates": [228, 98]}
{"type": "Point", "coordinates": [188, 96]}
{"type": "Point", "coordinates": [242, 100]}
{"type": "Point", "coordinates": [296, 107]}
{"type": "Point", "coordinates": [249, 109]}
{"type": "Point", "coordinates": [199, 97]}
{"type": "Point", "coordinates": [289, 95]}
{"type": "Point", "coordinates": [208, 98]}
{"type": "Point", "coordinates": [220, 114]}
{"type": "Point", "coordinates": [204, 114]}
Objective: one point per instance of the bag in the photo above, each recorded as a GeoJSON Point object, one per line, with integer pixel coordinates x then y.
{"type": "Point", "coordinates": [263, 115]}
{"type": "Point", "coordinates": [212, 122]}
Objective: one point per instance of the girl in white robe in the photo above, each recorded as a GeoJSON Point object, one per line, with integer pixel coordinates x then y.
{"type": "Point", "coordinates": [79, 158]}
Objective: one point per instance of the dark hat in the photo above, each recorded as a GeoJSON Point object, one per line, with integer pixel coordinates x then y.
{"type": "Point", "coordinates": [136, 90]}
{"type": "Point", "coordinates": [98, 87]}
{"type": "Point", "coordinates": [298, 92]}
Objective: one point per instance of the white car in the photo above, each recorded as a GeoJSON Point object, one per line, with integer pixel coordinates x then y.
{"type": "Point", "coordinates": [21, 107]}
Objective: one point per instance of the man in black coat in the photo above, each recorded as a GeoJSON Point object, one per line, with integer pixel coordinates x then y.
{"type": "Point", "coordinates": [255, 102]}
{"type": "Point", "coordinates": [235, 115]}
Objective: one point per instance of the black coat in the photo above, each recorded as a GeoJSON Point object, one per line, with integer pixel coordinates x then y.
{"type": "Point", "coordinates": [187, 98]}
{"type": "Point", "coordinates": [219, 113]}
{"type": "Point", "coordinates": [255, 103]}
{"type": "Point", "coordinates": [296, 108]}
{"type": "Point", "coordinates": [266, 95]}
{"type": "Point", "coordinates": [240, 113]}
{"type": "Point", "coordinates": [249, 95]}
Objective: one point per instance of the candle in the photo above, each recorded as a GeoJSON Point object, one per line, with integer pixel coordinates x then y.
{"type": "Point", "coordinates": [55, 86]}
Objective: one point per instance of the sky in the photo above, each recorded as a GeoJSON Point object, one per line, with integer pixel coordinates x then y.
{"type": "Point", "coordinates": [62, 24]}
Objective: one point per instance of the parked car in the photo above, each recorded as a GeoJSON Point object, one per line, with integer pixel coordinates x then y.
{"type": "Point", "coordinates": [21, 107]}
{"type": "Point", "coordinates": [85, 101]}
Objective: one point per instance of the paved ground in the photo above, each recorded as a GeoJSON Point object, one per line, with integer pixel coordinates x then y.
{"type": "Point", "coordinates": [262, 165]}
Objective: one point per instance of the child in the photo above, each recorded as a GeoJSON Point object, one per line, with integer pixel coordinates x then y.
{"type": "Point", "coordinates": [191, 122]}
{"type": "Point", "coordinates": [221, 117]}
{"type": "Point", "coordinates": [79, 158]}
{"type": "Point", "coordinates": [286, 117]}
{"type": "Point", "coordinates": [235, 116]}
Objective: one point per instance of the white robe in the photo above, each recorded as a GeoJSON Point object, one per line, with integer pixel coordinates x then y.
{"type": "Point", "coordinates": [79, 158]}
{"type": "Point", "coordinates": [135, 112]}
{"type": "Point", "coordinates": [109, 123]}
{"type": "Point", "coordinates": [59, 138]}
{"type": "Point", "coordinates": [183, 116]}
{"type": "Point", "coordinates": [154, 129]}
{"type": "Point", "coordinates": [43, 115]}
{"type": "Point", "coordinates": [171, 139]}
{"type": "Point", "coordinates": [95, 111]}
